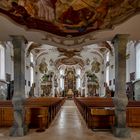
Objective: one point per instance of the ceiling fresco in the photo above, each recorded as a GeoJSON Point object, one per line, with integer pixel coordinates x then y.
{"type": "Point", "coordinates": [69, 17]}
{"type": "Point", "coordinates": [69, 52]}
{"type": "Point", "coordinates": [69, 61]}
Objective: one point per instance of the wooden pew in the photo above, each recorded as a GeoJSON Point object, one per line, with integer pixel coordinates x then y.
{"type": "Point", "coordinates": [94, 111]}
{"type": "Point", "coordinates": [47, 107]}
{"type": "Point", "coordinates": [7, 114]}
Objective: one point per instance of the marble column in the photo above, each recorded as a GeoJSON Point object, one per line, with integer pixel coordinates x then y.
{"type": "Point", "coordinates": [19, 128]}
{"type": "Point", "coordinates": [120, 99]}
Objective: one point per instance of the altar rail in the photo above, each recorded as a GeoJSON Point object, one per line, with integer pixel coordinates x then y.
{"type": "Point", "coordinates": [47, 107]}
{"type": "Point", "coordinates": [99, 112]}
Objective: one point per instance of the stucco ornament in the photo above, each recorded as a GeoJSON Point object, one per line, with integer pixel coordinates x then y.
{"type": "Point", "coordinates": [43, 67]}
{"type": "Point", "coordinates": [95, 66]}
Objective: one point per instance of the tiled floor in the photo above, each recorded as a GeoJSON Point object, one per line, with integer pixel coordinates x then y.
{"type": "Point", "coordinates": [68, 125]}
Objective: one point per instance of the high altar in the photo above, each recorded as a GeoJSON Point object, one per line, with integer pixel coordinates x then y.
{"type": "Point", "coordinates": [70, 81]}
{"type": "Point", "coordinates": [70, 93]}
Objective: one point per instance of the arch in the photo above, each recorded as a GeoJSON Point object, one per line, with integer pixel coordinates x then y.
{"type": "Point", "coordinates": [30, 47]}
{"type": "Point", "coordinates": [98, 53]}
{"type": "Point", "coordinates": [107, 45]}
{"type": "Point", "coordinates": [40, 54]}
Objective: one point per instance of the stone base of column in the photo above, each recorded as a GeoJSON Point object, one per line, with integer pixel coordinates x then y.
{"type": "Point", "coordinates": [18, 131]}
{"type": "Point", "coordinates": [121, 132]}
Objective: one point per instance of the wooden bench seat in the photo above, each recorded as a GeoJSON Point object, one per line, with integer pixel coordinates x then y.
{"type": "Point", "coordinates": [95, 114]}
{"type": "Point", "coordinates": [48, 107]}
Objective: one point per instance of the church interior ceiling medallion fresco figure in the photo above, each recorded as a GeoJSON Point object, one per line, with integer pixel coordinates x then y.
{"type": "Point", "coordinates": [69, 61]}
{"type": "Point", "coordinates": [69, 52]}
{"type": "Point", "coordinates": [69, 17]}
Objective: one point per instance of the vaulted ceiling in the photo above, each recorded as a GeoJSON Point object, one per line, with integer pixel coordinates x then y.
{"type": "Point", "coordinates": [81, 56]}
{"type": "Point", "coordinates": [69, 17]}
{"type": "Point", "coordinates": [69, 22]}
{"type": "Point", "coordinates": [69, 25]}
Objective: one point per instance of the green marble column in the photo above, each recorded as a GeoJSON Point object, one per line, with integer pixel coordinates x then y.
{"type": "Point", "coordinates": [19, 128]}
{"type": "Point", "coordinates": [120, 99]}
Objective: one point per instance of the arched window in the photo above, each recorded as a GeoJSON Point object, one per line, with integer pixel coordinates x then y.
{"type": "Point", "coordinates": [107, 68]}
{"type": "Point", "coordinates": [2, 62]}
{"type": "Point", "coordinates": [138, 61]}
{"type": "Point", "coordinates": [61, 79]}
{"type": "Point", "coordinates": [31, 69]}
{"type": "Point", "coordinates": [78, 80]}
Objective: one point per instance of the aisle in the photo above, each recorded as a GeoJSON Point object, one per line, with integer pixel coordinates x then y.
{"type": "Point", "coordinates": [68, 125]}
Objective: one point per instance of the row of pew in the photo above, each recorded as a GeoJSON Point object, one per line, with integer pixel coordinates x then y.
{"type": "Point", "coordinates": [46, 108]}
{"type": "Point", "coordinates": [99, 112]}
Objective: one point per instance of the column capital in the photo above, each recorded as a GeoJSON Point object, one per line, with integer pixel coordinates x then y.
{"type": "Point", "coordinates": [19, 37]}
{"type": "Point", "coordinates": [120, 37]}
{"type": "Point", "coordinates": [136, 43]}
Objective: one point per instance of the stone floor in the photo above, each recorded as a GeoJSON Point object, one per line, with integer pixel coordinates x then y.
{"type": "Point", "coordinates": [68, 125]}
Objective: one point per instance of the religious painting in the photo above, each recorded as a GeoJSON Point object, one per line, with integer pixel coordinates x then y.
{"type": "Point", "coordinates": [110, 82]}
{"type": "Point", "coordinates": [114, 81]}
{"type": "Point", "coordinates": [8, 77]}
{"type": "Point", "coordinates": [132, 76]}
{"type": "Point", "coordinates": [129, 90]}
{"type": "Point", "coordinates": [29, 83]}
{"type": "Point", "coordinates": [69, 17]}
{"type": "Point", "coordinates": [70, 80]}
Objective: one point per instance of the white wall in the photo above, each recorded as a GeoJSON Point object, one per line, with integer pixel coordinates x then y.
{"type": "Point", "coordinates": [9, 62]}
{"type": "Point", "coordinates": [131, 60]}
{"type": "Point", "coordinates": [112, 70]}
{"type": "Point", "coordinates": [130, 64]}
{"type": "Point", "coordinates": [27, 76]}
{"type": "Point", "coordinates": [2, 62]}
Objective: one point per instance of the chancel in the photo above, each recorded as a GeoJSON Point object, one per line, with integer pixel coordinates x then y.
{"type": "Point", "coordinates": [69, 69]}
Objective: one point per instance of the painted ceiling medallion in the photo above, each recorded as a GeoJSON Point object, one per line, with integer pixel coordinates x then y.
{"type": "Point", "coordinates": [69, 52]}
{"type": "Point", "coordinates": [69, 40]}
{"type": "Point", "coordinates": [69, 17]}
{"type": "Point", "coordinates": [69, 61]}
